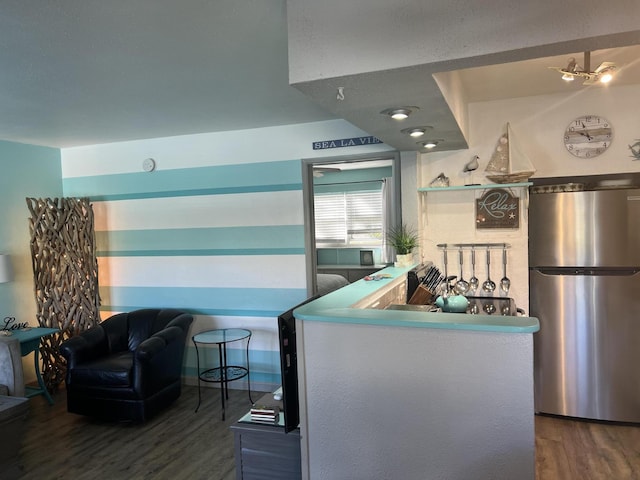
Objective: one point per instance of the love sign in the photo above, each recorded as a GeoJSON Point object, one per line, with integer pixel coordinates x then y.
{"type": "Point", "coordinates": [10, 323]}
{"type": "Point", "coordinates": [497, 208]}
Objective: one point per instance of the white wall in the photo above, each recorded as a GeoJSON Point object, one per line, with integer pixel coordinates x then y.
{"type": "Point", "coordinates": [408, 189]}
{"type": "Point", "coordinates": [216, 229]}
{"type": "Point", "coordinates": [538, 124]}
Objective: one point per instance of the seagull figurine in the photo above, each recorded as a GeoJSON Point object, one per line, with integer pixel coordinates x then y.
{"type": "Point", "coordinates": [472, 164]}
{"type": "Point", "coordinates": [470, 167]}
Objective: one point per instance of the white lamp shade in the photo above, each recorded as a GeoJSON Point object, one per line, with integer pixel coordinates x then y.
{"type": "Point", "coordinates": [5, 269]}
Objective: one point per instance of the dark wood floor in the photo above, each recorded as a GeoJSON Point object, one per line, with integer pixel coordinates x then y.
{"type": "Point", "coordinates": [581, 450]}
{"type": "Point", "coordinates": [177, 444]}
{"type": "Point", "coordinates": [180, 444]}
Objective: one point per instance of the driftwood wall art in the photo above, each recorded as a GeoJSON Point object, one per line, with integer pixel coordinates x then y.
{"type": "Point", "coordinates": [65, 273]}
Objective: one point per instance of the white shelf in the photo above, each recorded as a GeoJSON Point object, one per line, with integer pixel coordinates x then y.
{"type": "Point", "coordinates": [475, 187]}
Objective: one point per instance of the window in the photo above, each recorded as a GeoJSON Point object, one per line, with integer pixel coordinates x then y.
{"type": "Point", "coordinates": [349, 218]}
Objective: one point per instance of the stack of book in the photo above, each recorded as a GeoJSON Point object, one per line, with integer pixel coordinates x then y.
{"type": "Point", "coordinates": [265, 413]}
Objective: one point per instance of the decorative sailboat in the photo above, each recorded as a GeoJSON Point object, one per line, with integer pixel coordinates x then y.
{"type": "Point", "coordinates": [508, 163]}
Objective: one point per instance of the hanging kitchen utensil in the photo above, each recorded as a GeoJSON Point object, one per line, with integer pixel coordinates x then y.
{"type": "Point", "coordinates": [444, 286]}
{"type": "Point", "coordinates": [444, 255]}
{"type": "Point", "coordinates": [488, 285]}
{"type": "Point", "coordinates": [505, 282]}
{"type": "Point", "coordinates": [461, 287]}
{"type": "Point", "coordinates": [473, 281]}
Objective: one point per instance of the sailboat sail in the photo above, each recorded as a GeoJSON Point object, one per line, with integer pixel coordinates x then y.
{"type": "Point", "coordinates": [508, 164]}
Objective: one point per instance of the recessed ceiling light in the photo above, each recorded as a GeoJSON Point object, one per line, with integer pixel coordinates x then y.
{"type": "Point", "coordinates": [415, 131]}
{"type": "Point", "coordinates": [399, 113]}
{"type": "Point", "coordinates": [429, 143]}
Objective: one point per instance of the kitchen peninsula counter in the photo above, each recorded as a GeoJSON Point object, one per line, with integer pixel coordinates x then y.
{"type": "Point", "coordinates": [412, 395]}
{"type": "Point", "coordinates": [349, 305]}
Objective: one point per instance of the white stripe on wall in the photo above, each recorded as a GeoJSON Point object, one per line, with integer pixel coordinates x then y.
{"type": "Point", "coordinates": [245, 209]}
{"type": "Point", "coordinates": [217, 148]}
{"type": "Point", "coordinates": [257, 271]}
{"type": "Point", "coordinates": [263, 329]}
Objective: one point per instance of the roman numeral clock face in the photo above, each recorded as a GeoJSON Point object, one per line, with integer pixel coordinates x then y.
{"type": "Point", "coordinates": [588, 136]}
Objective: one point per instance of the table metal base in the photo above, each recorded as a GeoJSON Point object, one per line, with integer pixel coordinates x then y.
{"type": "Point", "coordinates": [224, 373]}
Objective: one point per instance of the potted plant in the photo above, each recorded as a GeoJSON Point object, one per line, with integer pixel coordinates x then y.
{"type": "Point", "coordinates": [403, 239]}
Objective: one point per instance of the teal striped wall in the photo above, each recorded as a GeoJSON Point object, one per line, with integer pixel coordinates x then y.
{"type": "Point", "coordinates": [219, 241]}
{"type": "Point", "coordinates": [223, 179]}
{"type": "Point", "coordinates": [217, 229]}
{"type": "Point", "coordinates": [264, 240]}
{"type": "Point", "coordinates": [25, 171]}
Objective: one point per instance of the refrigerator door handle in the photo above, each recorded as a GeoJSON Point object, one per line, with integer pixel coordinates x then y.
{"type": "Point", "coordinates": [588, 271]}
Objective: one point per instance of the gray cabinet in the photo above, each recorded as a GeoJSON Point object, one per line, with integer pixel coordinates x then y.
{"type": "Point", "coordinates": [266, 452]}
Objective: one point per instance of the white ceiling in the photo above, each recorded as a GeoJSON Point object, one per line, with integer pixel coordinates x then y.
{"type": "Point", "coordinates": [80, 72]}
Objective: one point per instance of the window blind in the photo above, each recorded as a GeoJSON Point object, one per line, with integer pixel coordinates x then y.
{"type": "Point", "coordinates": [349, 218]}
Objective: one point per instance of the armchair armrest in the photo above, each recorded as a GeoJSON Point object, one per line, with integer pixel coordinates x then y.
{"type": "Point", "coordinates": [148, 349]}
{"type": "Point", "coordinates": [158, 360]}
{"type": "Point", "coordinates": [86, 346]}
{"type": "Point", "coordinates": [158, 342]}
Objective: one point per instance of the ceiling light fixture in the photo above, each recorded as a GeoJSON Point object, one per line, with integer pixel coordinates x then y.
{"type": "Point", "coordinates": [606, 77]}
{"type": "Point", "coordinates": [415, 131]}
{"type": "Point", "coordinates": [399, 113]}
{"type": "Point", "coordinates": [602, 74]}
{"type": "Point", "coordinates": [429, 144]}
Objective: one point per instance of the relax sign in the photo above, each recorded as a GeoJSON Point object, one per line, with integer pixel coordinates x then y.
{"type": "Point", "coordinates": [497, 208]}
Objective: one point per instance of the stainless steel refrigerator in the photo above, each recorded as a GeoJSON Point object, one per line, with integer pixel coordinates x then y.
{"type": "Point", "coordinates": [584, 259]}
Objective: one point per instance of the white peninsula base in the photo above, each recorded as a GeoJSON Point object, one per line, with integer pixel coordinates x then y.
{"type": "Point", "coordinates": [405, 403]}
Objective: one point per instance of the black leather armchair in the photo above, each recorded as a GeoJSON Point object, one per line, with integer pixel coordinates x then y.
{"type": "Point", "coordinates": [129, 367]}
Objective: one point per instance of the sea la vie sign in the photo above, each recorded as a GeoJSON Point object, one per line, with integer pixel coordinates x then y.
{"type": "Point", "coordinates": [497, 208]}
{"type": "Point", "coordinates": [345, 142]}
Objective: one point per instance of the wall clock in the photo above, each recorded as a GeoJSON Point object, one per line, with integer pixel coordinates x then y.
{"type": "Point", "coordinates": [588, 136]}
{"type": "Point", "coordinates": [148, 164]}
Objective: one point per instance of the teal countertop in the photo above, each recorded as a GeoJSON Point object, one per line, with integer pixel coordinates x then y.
{"type": "Point", "coordinates": [337, 307]}
{"type": "Point", "coordinates": [353, 266]}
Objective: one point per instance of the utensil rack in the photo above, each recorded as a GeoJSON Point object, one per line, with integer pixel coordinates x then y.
{"type": "Point", "coordinates": [471, 246]}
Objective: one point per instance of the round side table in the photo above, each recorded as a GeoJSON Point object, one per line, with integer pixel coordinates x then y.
{"type": "Point", "coordinates": [223, 373]}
